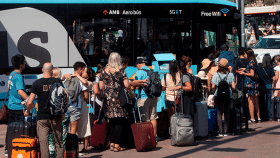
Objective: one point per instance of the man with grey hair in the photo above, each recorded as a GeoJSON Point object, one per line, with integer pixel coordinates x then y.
{"type": "Point", "coordinates": [45, 121]}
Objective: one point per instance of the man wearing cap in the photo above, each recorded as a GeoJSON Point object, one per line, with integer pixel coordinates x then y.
{"type": "Point", "coordinates": [147, 104]}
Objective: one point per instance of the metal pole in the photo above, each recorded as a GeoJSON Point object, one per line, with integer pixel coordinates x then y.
{"type": "Point", "coordinates": [242, 24]}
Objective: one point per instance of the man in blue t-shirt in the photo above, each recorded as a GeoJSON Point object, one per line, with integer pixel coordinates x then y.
{"type": "Point", "coordinates": [17, 91]}
{"type": "Point", "coordinates": [225, 53]}
{"type": "Point", "coordinates": [147, 104]}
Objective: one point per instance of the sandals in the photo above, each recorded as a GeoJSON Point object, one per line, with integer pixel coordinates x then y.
{"type": "Point", "coordinates": [252, 121]}
{"type": "Point", "coordinates": [112, 147]}
{"type": "Point", "coordinates": [117, 149]}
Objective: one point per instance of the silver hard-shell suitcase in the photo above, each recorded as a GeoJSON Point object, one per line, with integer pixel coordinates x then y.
{"type": "Point", "coordinates": [181, 129]}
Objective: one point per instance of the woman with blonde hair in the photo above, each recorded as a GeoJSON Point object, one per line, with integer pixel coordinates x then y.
{"type": "Point", "coordinates": [111, 80]}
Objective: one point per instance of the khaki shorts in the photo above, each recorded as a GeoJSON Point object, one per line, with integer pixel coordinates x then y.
{"type": "Point", "coordinates": [148, 109]}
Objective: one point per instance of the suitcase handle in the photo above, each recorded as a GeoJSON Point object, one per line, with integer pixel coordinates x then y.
{"type": "Point", "coordinates": [139, 91]}
{"type": "Point", "coordinates": [170, 131]}
{"type": "Point", "coordinates": [133, 111]}
{"type": "Point", "coordinates": [24, 136]}
{"type": "Point", "coordinates": [175, 103]}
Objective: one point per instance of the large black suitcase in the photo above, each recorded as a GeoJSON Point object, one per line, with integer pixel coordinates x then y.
{"type": "Point", "coordinates": [275, 108]}
{"type": "Point", "coordinates": [16, 130]}
{"type": "Point", "coordinates": [235, 126]}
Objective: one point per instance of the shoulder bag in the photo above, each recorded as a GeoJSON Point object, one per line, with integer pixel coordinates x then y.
{"type": "Point", "coordinates": [4, 112]}
{"type": "Point", "coordinates": [124, 96]}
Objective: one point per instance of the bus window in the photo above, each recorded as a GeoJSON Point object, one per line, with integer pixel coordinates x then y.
{"type": "Point", "coordinates": [95, 39]}
{"type": "Point", "coordinates": [207, 40]}
{"type": "Point", "coordinates": [232, 40]}
{"type": "Point", "coordinates": [163, 35]}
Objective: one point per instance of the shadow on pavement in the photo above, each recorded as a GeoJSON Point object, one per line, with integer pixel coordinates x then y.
{"type": "Point", "coordinates": [157, 148]}
{"type": "Point", "coordinates": [275, 133]}
{"type": "Point", "coordinates": [95, 156]}
{"type": "Point", "coordinates": [228, 149]}
{"type": "Point", "coordinates": [210, 144]}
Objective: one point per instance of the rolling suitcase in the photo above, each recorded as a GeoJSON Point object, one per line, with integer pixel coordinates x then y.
{"type": "Point", "coordinates": [100, 135]}
{"type": "Point", "coordinates": [277, 109]}
{"type": "Point", "coordinates": [235, 122]}
{"type": "Point", "coordinates": [201, 120]}
{"type": "Point", "coordinates": [181, 129]}
{"type": "Point", "coordinates": [212, 121]}
{"type": "Point", "coordinates": [143, 134]}
{"type": "Point", "coordinates": [25, 147]}
{"type": "Point", "coordinates": [16, 130]}
{"type": "Point", "coordinates": [72, 146]}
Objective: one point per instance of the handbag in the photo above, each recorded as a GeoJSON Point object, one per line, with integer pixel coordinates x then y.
{"type": "Point", "coordinates": [124, 96]}
{"type": "Point", "coordinates": [4, 112]}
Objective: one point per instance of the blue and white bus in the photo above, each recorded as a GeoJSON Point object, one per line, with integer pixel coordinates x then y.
{"type": "Point", "coordinates": [51, 31]}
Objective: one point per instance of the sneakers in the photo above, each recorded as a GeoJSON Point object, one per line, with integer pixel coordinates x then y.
{"type": "Point", "coordinates": [221, 135]}
{"type": "Point", "coordinates": [6, 153]}
{"type": "Point", "coordinates": [259, 120]}
{"type": "Point", "coordinates": [225, 135]}
{"type": "Point", "coordinates": [83, 152]}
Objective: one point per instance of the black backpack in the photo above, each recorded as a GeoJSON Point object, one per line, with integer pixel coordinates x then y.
{"type": "Point", "coordinates": [223, 88]}
{"type": "Point", "coordinates": [196, 93]}
{"type": "Point", "coordinates": [154, 89]}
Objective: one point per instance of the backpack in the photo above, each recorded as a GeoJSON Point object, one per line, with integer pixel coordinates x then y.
{"type": "Point", "coordinates": [223, 88]}
{"type": "Point", "coordinates": [154, 90]}
{"type": "Point", "coordinates": [196, 93]}
{"type": "Point", "coordinates": [73, 88]}
{"type": "Point", "coordinates": [58, 100]}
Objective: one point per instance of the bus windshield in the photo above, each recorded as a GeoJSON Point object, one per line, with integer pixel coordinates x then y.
{"type": "Point", "coordinates": [268, 43]}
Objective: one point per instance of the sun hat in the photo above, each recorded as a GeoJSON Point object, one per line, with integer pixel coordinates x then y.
{"type": "Point", "coordinates": [202, 75]}
{"type": "Point", "coordinates": [223, 62]}
{"type": "Point", "coordinates": [205, 63]}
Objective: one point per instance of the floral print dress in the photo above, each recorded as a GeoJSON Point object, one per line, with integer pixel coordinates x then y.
{"type": "Point", "coordinates": [112, 108]}
{"type": "Point", "coordinates": [251, 82]}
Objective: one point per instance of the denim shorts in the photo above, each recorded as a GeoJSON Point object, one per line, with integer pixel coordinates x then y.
{"type": "Point", "coordinates": [75, 113]}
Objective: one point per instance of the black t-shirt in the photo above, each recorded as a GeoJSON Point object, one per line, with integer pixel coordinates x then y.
{"type": "Point", "coordinates": [265, 75]}
{"type": "Point", "coordinates": [41, 88]}
{"type": "Point", "coordinates": [240, 63]}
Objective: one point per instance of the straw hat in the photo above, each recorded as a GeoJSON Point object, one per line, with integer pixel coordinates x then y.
{"type": "Point", "coordinates": [223, 62]}
{"type": "Point", "coordinates": [205, 63]}
{"type": "Point", "coordinates": [202, 75]}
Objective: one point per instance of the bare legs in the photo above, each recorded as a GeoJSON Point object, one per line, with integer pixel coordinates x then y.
{"type": "Point", "coordinates": [74, 127]}
{"type": "Point", "coordinates": [154, 123]}
{"type": "Point", "coordinates": [253, 103]}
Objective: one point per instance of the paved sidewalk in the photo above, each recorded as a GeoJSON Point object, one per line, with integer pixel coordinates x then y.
{"type": "Point", "coordinates": [263, 142]}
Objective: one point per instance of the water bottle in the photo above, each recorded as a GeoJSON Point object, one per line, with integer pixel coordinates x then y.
{"type": "Point", "coordinates": [27, 119]}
